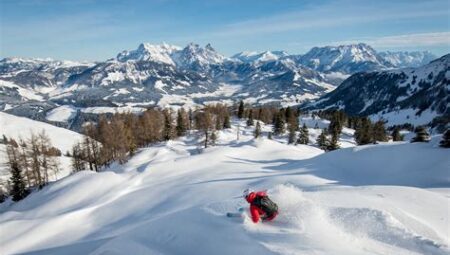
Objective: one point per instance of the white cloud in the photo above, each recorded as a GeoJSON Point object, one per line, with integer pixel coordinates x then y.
{"type": "Point", "coordinates": [402, 41]}
{"type": "Point", "coordinates": [336, 14]}
{"type": "Point", "coordinates": [423, 39]}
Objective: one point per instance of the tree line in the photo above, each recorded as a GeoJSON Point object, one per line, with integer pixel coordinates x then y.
{"type": "Point", "coordinates": [31, 163]}
{"type": "Point", "coordinates": [117, 137]}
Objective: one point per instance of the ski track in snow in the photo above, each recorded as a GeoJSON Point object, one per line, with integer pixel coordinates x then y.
{"type": "Point", "coordinates": [172, 198]}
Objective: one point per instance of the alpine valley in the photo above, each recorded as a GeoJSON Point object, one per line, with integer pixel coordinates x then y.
{"type": "Point", "coordinates": [397, 86]}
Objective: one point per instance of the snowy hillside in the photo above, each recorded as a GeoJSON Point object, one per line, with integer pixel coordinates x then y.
{"type": "Point", "coordinates": [408, 95]}
{"type": "Point", "coordinates": [17, 127]}
{"type": "Point", "coordinates": [172, 198]}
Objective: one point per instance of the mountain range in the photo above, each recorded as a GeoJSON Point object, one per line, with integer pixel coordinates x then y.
{"type": "Point", "coordinates": [170, 75]}
{"type": "Point", "coordinates": [413, 95]}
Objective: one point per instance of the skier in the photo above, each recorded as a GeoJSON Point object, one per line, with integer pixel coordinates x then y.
{"type": "Point", "coordinates": [261, 207]}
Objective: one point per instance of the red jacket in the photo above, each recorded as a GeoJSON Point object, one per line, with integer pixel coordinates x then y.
{"type": "Point", "coordinates": [255, 211]}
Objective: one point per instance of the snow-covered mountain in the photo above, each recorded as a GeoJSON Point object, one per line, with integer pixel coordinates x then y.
{"type": "Point", "coordinates": [166, 74]}
{"type": "Point", "coordinates": [390, 198]}
{"type": "Point", "coordinates": [414, 95]}
{"type": "Point", "coordinates": [194, 57]}
{"type": "Point", "coordinates": [32, 79]}
{"type": "Point", "coordinates": [35, 73]}
{"type": "Point", "coordinates": [353, 58]}
{"type": "Point", "coordinates": [259, 57]}
{"type": "Point", "coordinates": [170, 75]}
{"type": "Point", "coordinates": [150, 52]}
{"type": "Point", "coordinates": [408, 59]}
{"type": "Point", "coordinates": [189, 57]}
{"type": "Point", "coordinates": [346, 59]}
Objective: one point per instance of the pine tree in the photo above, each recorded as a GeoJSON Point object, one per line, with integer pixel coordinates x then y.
{"type": "Point", "coordinates": [167, 125]}
{"type": "Point", "coordinates": [291, 135]}
{"type": "Point", "coordinates": [288, 114]}
{"type": "Point", "coordinates": [191, 119]}
{"type": "Point", "coordinates": [241, 110]}
{"type": "Point", "coordinates": [181, 122]}
{"type": "Point", "coordinates": [278, 126]}
{"type": "Point", "coordinates": [3, 195]}
{"type": "Point", "coordinates": [335, 127]}
{"type": "Point", "coordinates": [396, 136]}
{"type": "Point", "coordinates": [257, 132]}
{"type": "Point", "coordinates": [250, 118]}
{"type": "Point", "coordinates": [303, 136]}
{"type": "Point", "coordinates": [18, 190]}
{"type": "Point", "coordinates": [421, 135]}
{"type": "Point", "coordinates": [334, 145]}
{"type": "Point", "coordinates": [363, 132]}
{"type": "Point", "coordinates": [379, 132]}
{"type": "Point", "coordinates": [226, 121]}
{"type": "Point", "coordinates": [292, 128]}
{"type": "Point", "coordinates": [445, 142]}
{"type": "Point", "coordinates": [322, 140]}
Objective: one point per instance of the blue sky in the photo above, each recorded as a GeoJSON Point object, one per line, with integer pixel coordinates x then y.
{"type": "Point", "coordinates": [98, 30]}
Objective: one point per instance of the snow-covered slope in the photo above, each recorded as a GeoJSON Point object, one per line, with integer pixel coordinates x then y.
{"type": "Point", "coordinates": [414, 95]}
{"type": "Point", "coordinates": [15, 127]}
{"type": "Point", "coordinates": [390, 198]}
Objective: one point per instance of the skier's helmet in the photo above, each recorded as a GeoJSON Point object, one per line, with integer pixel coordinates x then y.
{"type": "Point", "coordinates": [246, 192]}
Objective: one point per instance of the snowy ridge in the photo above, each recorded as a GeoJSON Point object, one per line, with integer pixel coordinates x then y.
{"type": "Point", "coordinates": [408, 59]}
{"type": "Point", "coordinates": [43, 63]}
{"type": "Point", "coordinates": [344, 58]}
{"type": "Point", "coordinates": [255, 57]}
{"type": "Point", "coordinates": [408, 95]}
{"type": "Point", "coordinates": [173, 55]}
{"type": "Point", "coordinates": [171, 199]}
{"type": "Point", "coordinates": [149, 52]}
{"type": "Point", "coordinates": [193, 55]}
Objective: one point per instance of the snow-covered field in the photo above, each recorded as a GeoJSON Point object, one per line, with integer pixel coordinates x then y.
{"type": "Point", "coordinates": [171, 198]}
{"type": "Point", "coordinates": [405, 116]}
